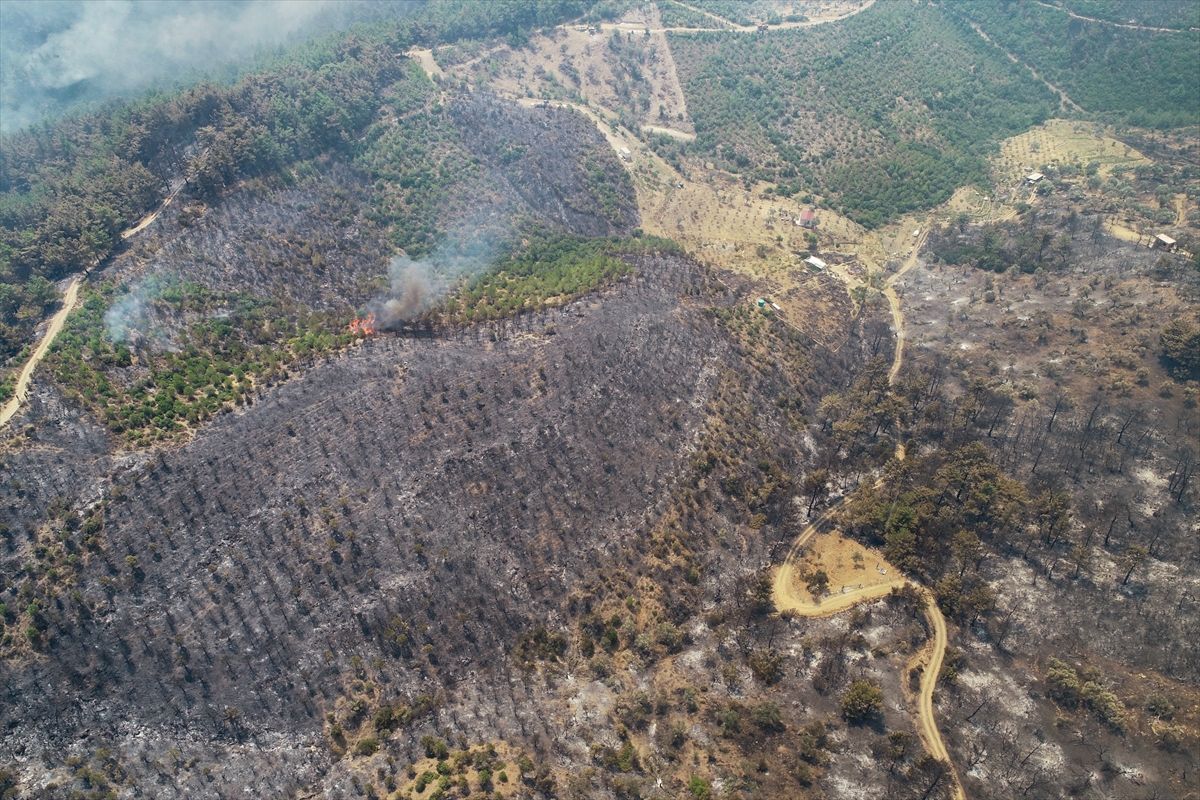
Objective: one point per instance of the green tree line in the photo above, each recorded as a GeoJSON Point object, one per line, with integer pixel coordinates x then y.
{"type": "Point", "coordinates": [1138, 77]}
{"type": "Point", "coordinates": [545, 268]}
{"type": "Point", "coordinates": [888, 111]}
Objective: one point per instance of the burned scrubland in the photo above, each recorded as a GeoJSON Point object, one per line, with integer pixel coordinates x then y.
{"type": "Point", "coordinates": [555, 161]}
{"type": "Point", "coordinates": [524, 547]}
{"type": "Point", "coordinates": [221, 299]}
{"type": "Point", "coordinates": [1052, 359]}
{"type": "Point", "coordinates": [323, 242]}
{"type": "Point", "coordinates": [405, 525]}
{"type": "Point", "coordinates": [548, 533]}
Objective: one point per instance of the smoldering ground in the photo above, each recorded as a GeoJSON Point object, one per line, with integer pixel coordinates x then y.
{"type": "Point", "coordinates": [131, 319]}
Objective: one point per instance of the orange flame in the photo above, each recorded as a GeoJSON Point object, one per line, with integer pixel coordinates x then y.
{"type": "Point", "coordinates": [365, 326]}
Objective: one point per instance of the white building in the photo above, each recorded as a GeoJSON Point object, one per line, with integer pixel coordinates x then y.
{"type": "Point", "coordinates": [1164, 241]}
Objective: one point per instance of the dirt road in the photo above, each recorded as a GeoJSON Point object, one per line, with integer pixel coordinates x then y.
{"type": "Point", "coordinates": [1130, 26]}
{"type": "Point", "coordinates": [835, 603]}
{"type": "Point", "coordinates": [730, 26]}
{"type": "Point", "coordinates": [56, 324]}
{"type": "Point", "coordinates": [894, 303]}
{"type": "Point", "coordinates": [723, 24]}
{"type": "Point", "coordinates": [68, 303]}
{"type": "Point", "coordinates": [788, 598]}
{"type": "Point", "coordinates": [153, 215]}
{"type": "Point", "coordinates": [929, 731]}
{"type": "Point", "coordinates": [426, 60]}
{"type": "Point", "coordinates": [681, 135]}
{"type": "Point", "coordinates": [1066, 101]}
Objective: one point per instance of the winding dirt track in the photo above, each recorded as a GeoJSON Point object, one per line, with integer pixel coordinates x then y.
{"type": "Point", "coordinates": [21, 390]}
{"type": "Point", "coordinates": [1066, 101]}
{"type": "Point", "coordinates": [894, 303]}
{"type": "Point", "coordinates": [787, 598]}
{"type": "Point", "coordinates": [929, 730]}
{"type": "Point", "coordinates": [1131, 27]}
{"type": "Point", "coordinates": [56, 325]}
{"type": "Point", "coordinates": [153, 215]}
{"type": "Point", "coordinates": [727, 25]}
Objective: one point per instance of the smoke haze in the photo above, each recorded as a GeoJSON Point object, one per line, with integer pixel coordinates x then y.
{"type": "Point", "coordinates": [57, 56]}
{"type": "Point", "coordinates": [414, 286]}
{"type": "Point", "coordinates": [131, 319]}
{"type": "Point", "coordinates": [411, 289]}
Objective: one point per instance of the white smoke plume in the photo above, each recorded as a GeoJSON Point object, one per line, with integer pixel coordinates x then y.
{"type": "Point", "coordinates": [133, 319]}
{"type": "Point", "coordinates": [412, 288]}
{"type": "Point", "coordinates": [415, 286]}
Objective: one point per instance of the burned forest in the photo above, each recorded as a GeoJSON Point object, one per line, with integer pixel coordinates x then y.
{"type": "Point", "coordinates": [573, 399]}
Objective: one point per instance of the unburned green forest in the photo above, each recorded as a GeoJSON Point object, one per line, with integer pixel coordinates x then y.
{"type": "Point", "coordinates": [888, 111]}
{"type": "Point", "coordinates": [1146, 78]}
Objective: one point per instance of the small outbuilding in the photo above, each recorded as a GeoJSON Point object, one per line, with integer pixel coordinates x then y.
{"type": "Point", "coordinates": [1033, 177]}
{"type": "Point", "coordinates": [816, 263]}
{"type": "Point", "coordinates": [1163, 242]}
{"type": "Point", "coordinates": [625, 154]}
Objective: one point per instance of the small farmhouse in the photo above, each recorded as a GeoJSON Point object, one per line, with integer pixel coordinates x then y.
{"type": "Point", "coordinates": [807, 218]}
{"type": "Point", "coordinates": [1164, 242]}
{"type": "Point", "coordinates": [1033, 177]}
{"type": "Point", "coordinates": [815, 263]}
{"type": "Point", "coordinates": [625, 154]}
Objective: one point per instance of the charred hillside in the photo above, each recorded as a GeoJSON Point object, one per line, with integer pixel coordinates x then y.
{"type": "Point", "coordinates": [554, 161]}
{"type": "Point", "coordinates": [421, 506]}
{"type": "Point", "coordinates": [221, 298]}
{"type": "Point", "coordinates": [323, 237]}
{"type": "Point", "coordinates": [428, 459]}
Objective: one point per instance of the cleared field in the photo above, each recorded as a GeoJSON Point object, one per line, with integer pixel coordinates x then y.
{"type": "Point", "coordinates": [854, 573]}
{"type": "Point", "coordinates": [1066, 142]}
{"type": "Point", "coordinates": [569, 64]}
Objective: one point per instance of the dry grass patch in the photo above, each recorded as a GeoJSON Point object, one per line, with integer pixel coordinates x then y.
{"type": "Point", "coordinates": [1062, 141]}
{"type": "Point", "coordinates": [845, 563]}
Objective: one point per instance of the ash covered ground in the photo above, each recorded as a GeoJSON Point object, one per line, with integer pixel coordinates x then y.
{"type": "Point", "coordinates": [381, 528]}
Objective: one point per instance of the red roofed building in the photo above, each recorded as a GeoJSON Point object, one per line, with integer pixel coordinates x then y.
{"type": "Point", "coordinates": [807, 218]}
